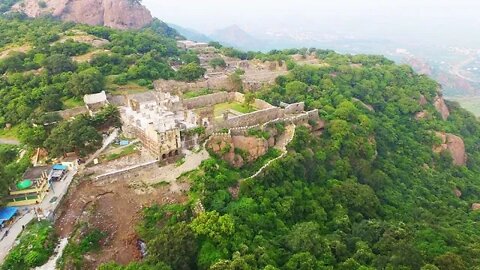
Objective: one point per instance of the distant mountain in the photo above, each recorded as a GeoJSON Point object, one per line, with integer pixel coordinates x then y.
{"type": "Point", "coordinates": [190, 34]}
{"type": "Point", "coordinates": [236, 37]}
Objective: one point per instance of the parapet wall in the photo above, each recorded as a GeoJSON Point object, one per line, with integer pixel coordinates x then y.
{"type": "Point", "coordinates": [221, 97]}
{"type": "Point", "coordinates": [295, 108]}
{"type": "Point", "coordinates": [207, 100]}
{"type": "Point", "coordinates": [127, 172]}
{"type": "Point", "coordinates": [175, 87]}
{"type": "Point", "coordinates": [253, 118]}
{"type": "Point", "coordinates": [67, 114]}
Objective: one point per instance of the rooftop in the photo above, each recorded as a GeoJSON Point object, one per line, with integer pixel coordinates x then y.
{"type": "Point", "coordinates": [35, 172]}
{"type": "Point", "coordinates": [95, 98]}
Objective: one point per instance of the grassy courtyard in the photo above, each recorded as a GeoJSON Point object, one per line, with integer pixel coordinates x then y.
{"type": "Point", "coordinates": [236, 106]}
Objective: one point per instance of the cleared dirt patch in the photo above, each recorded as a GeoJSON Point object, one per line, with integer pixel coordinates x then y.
{"type": "Point", "coordinates": [23, 49]}
{"type": "Point", "coordinates": [114, 207]}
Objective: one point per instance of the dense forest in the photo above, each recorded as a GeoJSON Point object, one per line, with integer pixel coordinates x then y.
{"type": "Point", "coordinates": [367, 193]}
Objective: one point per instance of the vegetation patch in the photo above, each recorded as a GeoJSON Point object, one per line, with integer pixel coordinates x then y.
{"type": "Point", "coordinates": [219, 109]}
{"type": "Point", "coordinates": [256, 132]}
{"type": "Point", "coordinates": [126, 151]}
{"type": "Point", "coordinates": [36, 244]}
{"type": "Point", "coordinates": [10, 133]}
{"type": "Point", "coordinates": [73, 102]}
{"type": "Point", "coordinates": [471, 104]}
{"type": "Point", "coordinates": [88, 241]}
{"type": "Point", "coordinates": [198, 93]}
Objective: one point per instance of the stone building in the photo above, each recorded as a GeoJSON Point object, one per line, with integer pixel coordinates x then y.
{"type": "Point", "coordinates": [95, 102]}
{"type": "Point", "coordinates": [156, 119]}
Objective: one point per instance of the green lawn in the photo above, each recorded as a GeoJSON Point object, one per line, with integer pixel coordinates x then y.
{"type": "Point", "coordinates": [471, 104]}
{"type": "Point", "coordinates": [236, 106]}
{"type": "Point", "coordinates": [197, 93]}
{"type": "Point", "coordinates": [121, 153]}
{"type": "Point", "coordinates": [70, 103]}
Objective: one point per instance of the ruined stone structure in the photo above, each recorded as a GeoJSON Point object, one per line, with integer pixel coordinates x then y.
{"type": "Point", "coordinates": [166, 124]}
{"type": "Point", "coordinates": [157, 119]}
{"type": "Point", "coordinates": [95, 102]}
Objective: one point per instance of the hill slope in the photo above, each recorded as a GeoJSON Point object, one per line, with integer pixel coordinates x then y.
{"type": "Point", "coordinates": [371, 192]}
{"type": "Point", "coordinates": [121, 14]}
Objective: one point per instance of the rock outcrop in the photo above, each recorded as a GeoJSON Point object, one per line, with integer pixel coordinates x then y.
{"type": "Point", "coordinates": [457, 192]}
{"type": "Point", "coordinates": [421, 115]}
{"type": "Point", "coordinates": [441, 107]}
{"type": "Point", "coordinates": [454, 145]}
{"type": "Point", "coordinates": [423, 100]}
{"type": "Point", "coordinates": [120, 14]}
{"type": "Point", "coordinates": [475, 206]}
{"type": "Point", "coordinates": [238, 150]}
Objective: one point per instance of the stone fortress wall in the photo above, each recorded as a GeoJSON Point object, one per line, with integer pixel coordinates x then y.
{"type": "Point", "coordinates": [222, 97]}
{"type": "Point", "coordinates": [251, 119]}
{"type": "Point", "coordinates": [266, 112]}
{"type": "Point", "coordinates": [208, 100]}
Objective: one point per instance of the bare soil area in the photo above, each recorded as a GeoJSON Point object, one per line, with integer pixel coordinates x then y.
{"type": "Point", "coordinates": [114, 207]}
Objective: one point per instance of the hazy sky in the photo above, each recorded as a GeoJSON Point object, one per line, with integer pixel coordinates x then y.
{"type": "Point", "coordinates": [451, 21]}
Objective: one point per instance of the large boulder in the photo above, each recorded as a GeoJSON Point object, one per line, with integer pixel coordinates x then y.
{"type": "Point", "coordinates": [454, 145]}
{"type": "Point", "coordinates": [120, 14]}
{"type": "Point", "coordinates": [255, 147]}
{"type": "Point", "coordinates": [238, 150]}
{"type": "Point", "coordinates": [476, 206]}
{"type": "Point", "coordinates": [441, 107]}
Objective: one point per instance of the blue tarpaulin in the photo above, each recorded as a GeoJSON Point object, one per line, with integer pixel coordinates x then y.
{"type": "Point", "coordinates": [6, 213]}
{"type": "Point", "coordinates": [59, 167]}
{"type": "Point", "coordinates": [124, 143]}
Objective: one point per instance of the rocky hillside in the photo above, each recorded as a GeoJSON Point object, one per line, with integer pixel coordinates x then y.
{"type": "Point", "coordinates": [120, 14]}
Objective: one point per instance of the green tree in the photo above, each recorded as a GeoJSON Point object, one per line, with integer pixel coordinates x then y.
{"type": "Point", "coordinates": [77, 135]}
{"type": "Point", "coordinates": [86, 82]}
{"type": "Point", "coordinates": [190, 72]}
{"type": "Point", "coordinates": [176, 245]}
{"type": "Point", "coordinates": [217, 62]}
{"type": "Point", "coordinates": [58, 63]}
{"type": "Point", "coordinates": [214, 226]}
{"type": "Point", "coordinates": [301, 261]}
{"type": "Point", "coordinates": [33, 136]}
{"type": "Point", "coordinates": [450, 261]}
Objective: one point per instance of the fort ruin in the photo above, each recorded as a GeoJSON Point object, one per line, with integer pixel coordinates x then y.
{"type": "Point", "coordinates": [166, 124]}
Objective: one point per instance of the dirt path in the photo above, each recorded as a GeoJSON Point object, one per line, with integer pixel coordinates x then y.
{"type": "Point", "coordinates": [285, 138]}
{"type": "Point", "coordinates": [9, 141]}
{"type": "Point", "coordinates": [53, 260]}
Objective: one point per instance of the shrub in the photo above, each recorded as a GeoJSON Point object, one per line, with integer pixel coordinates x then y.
{"type": "Point", "coordinates": [36, 245]}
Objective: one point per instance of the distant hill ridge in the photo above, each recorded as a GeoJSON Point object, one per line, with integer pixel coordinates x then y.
{"type": "Point", "coordinates": [120, 14]}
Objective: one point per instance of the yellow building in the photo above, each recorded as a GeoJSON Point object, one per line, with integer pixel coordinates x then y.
{"type": "Point", "coordinates": [32, 190]}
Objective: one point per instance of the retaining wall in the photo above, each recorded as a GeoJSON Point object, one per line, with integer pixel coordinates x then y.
{"type": "Point", "coordinates": [67, 114]}
{"type": "Point", "coordinates": [127, 172]}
